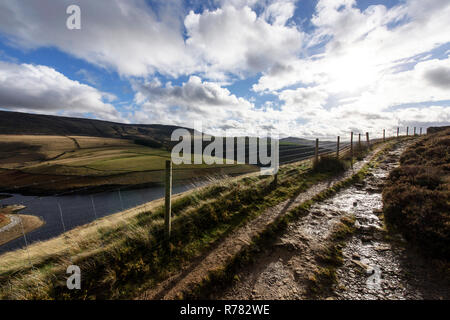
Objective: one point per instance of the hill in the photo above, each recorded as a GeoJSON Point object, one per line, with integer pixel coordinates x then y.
{"type": "Point", "coordinates": [37, 124]}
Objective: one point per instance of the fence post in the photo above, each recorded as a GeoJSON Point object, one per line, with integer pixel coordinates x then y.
{"type": "Point", "coordinates": [337, 146]}
{"type": "Point", "coordinates": [316, 153]}
{"type": "Point", "coordinates": [121, 201]}
{"type": "Point", "coordinates": [420, 130]}
{"type": "Point", "coordinates": [398, 130]}
{"type": "Point", "coordinates": [351, 147]}
{"type": "Point", "coordinates": [407, 131]}
{"type": "Point", "coordinates": [168, 202]}
{"type": "Point", "coordinates": [368, 140]}
{"type": "Point", "coordinates": [384, 135]}
{"type": "Point", "coordinates": [359, 141]}
{"type": "Point", "coordinates": [414, 131]}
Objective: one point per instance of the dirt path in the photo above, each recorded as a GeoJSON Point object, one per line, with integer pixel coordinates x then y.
{"type": "Point", "coordinates": [218, 256]}
{"type": "Point", "coordinates": [377, 266]}
{"type": "Point", "coordinates": [287, 270]}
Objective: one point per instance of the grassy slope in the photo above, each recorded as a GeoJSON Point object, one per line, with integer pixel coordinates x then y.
{"type": "Point", "coordinates": [122, 256]}
{"type": "Point", "coordinates": [417, 196]}
{"type": "Point", "coordinates": [116, 260]}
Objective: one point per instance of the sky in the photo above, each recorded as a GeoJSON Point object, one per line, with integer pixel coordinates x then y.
{"type": "Point", "coordinates": [303, 68]}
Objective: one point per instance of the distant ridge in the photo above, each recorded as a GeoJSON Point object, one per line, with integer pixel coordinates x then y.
{"type": "Point", "coordinates": [437, 129]}
{"type": "Point", "coordinates": [37, 124]}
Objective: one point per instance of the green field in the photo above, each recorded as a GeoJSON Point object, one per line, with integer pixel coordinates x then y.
{"type": "Point", "coordinates": [28, 159]}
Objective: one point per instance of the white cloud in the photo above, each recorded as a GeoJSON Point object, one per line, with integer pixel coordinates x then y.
{"type": "Point", "coordinates": [191, 101]}
{"type": "Point", "coordinates": [361, 47]}
{"type": "Point", "coordinates": [372, 60]}
{"type": "Point", "coordinates": [307, 102]}
{"type": "Point", "coordinates": [136, 40]}
{"type": "Point", "coordinates": [25, 87]}
{"type": "Point", "coordinates": [346, 74]}
{"type": "Point", "coordinates": [231, 40]}
{"type": "Point", "coordinates": [279, 12]}
{"type": "Point", "coordinates": [426, 82]}
{"type": "Point", "coordinates": [127, 36]}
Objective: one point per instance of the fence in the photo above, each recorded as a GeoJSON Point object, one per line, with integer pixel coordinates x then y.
{"type": "Point", "coordinates": [66, 210]}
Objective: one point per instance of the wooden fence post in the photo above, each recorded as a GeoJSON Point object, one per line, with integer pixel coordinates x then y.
{"type": "Point", "coordinates": [414, 131]}
{"type": "Point", "coordinates": [168, 202]}
{"type": "Point", "coordinates": [384, 135]}
{"type": "Point", "coordinates": [368, 140]}
{"type": "Point", "coordinates": [407, 131]}
{"type": "Point", "coordinates": [359, 141]}
{"type": "Point", "coordinates": [337, 147]}
{"type": "Point", "coordinates": [316, 154]}
{"type": "Point", "coordinates": [420, 130]}
{"type": "Point", "coordinates": [398, 131]}
{"type": "Point", "coordinates": [351, 146]}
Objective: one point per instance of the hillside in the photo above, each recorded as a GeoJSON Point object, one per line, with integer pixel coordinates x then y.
{"type": "Point", "coordinates": [31, 164]}
{"type": "Point", "coordinates": [93, 153]}
{"type": "Point", "coordinates": [416, 199]}
{"type": "Point", "coordinates": [36, 124]}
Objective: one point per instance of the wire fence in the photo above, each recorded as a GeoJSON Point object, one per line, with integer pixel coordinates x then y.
{"type": "Point", "coordinates": [66, 210]}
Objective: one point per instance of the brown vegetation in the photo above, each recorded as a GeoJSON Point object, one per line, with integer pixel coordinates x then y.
{"type": "Point", "coordinates": [417, 196]}
{"type": "Point", "coordinates": [4, 220]}
{"type": "Point", "coordinates": [29, 223]}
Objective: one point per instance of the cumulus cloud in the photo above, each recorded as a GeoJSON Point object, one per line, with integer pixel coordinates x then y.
{"type": "Point", "coordinates": [137, 40]}
{"type": "Point", "coordinates": [307, 102]}
{"type": "Point", "coordinates": [351, 71]}
{"type": "Point", "coordinates": [26, 87]}
{"type": "Point", "coordinates": [370, 61]}
{"type": "Point", "coordinates": [231, 40]}
{"type": "Point", "coordinates": [127, 36]}
{"type": "Point", "coordinates": [439, 77]}
{"type": "Point", "coordinates": [361, 46]}
{"type": "Point", "coordinates": [193, 100]}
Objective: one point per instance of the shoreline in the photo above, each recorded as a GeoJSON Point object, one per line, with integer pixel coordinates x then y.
{"type": "Point", "coordinates": [29, 222]}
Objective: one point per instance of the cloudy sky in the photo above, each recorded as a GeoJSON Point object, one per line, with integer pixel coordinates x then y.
{"type": "Point", "coordinates": [302, 68]}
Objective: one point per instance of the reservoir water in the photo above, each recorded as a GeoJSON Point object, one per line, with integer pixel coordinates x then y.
{"type": "Point", "coordinates": [77, 210]}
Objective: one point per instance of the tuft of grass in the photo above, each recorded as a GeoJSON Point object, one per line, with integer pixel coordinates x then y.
{"type": "Point", "coordinates": [330, 164]}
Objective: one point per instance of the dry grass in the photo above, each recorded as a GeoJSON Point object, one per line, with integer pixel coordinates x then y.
{"type": "Point", "coordinates": [4, 220]}
{"type": "Point", "coordinates": [29, 223]}
{"type": "Point", "coordinates": [39, 252]}
{"type": "Point", "coordinates": [120, 237]}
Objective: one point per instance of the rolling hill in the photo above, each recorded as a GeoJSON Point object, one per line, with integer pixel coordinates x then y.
{"type": "Point", "coordinates": [37, 124]}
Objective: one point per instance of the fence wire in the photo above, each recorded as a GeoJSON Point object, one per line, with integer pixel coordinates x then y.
{"type": "Point", "coordinates": [67, 210]}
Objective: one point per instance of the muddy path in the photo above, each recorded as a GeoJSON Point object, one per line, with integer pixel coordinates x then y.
{"type": "Point", "coordinates": [196, 271]}
{"type": "Point", "coordinates": [374, 267]}
{"type": "Point", "coordinates": [378, 264]}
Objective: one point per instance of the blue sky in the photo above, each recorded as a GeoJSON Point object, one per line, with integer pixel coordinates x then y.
{"type": "Point", "coordinates": [302, 68]}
